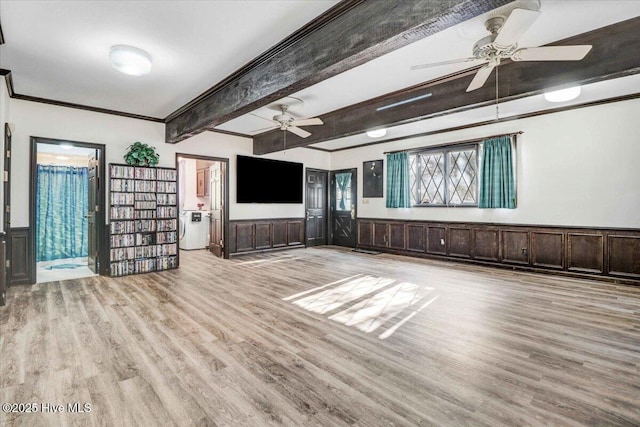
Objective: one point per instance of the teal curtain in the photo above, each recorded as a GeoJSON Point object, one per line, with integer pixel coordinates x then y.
{"type": "Point", "coordinates": [497, 181]}
{"type": "Point", "coordinates": [61, 206]}
{"type": "Point", "coordinates": [343, 180]}
{"type": "Point", "coordinates": [398, 186]}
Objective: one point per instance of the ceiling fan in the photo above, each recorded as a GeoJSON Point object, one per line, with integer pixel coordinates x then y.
{"type": "Point", "coordinates": [502, 43]}
{"type": "Point", "coordinates": [286, 122]}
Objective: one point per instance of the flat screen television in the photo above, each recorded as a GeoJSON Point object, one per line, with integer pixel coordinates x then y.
{"type": "Point", "coordinates": [268, 181]}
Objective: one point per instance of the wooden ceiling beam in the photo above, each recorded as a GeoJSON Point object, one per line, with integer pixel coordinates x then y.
{"type": "Point", "coordinates": [615, 53]}
{"type": "Point", "coordinates": [350, 34]}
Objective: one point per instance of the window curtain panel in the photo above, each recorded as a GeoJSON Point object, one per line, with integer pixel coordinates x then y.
{"type": "Point", "coordinates": [343, 180]}
{"type": "Point", "coordinates": [398, 186]}
{"type": "Point", "coordinates": [497, 180]}
{"type": "Point", "coordinates": [61, 206]}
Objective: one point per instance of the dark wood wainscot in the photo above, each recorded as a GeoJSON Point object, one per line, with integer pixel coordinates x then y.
{"type": "Point", "coordinates": [611, 253]}
{"type": "Point", "coordinates": [265, 234]}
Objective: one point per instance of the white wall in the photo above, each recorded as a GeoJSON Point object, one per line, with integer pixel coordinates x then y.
{"type": "Point", "coordinates": [574, 168]}
{"type": "Point", "coordinates": [117, 133]}
{"type": "Point", "coordinates": [190, 187]}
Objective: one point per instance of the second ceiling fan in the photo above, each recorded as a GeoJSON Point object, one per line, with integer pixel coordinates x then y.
{"type": "Point", "coordinates": [286, 122]}
{"type": "Point", "coordinates": [502, 43]}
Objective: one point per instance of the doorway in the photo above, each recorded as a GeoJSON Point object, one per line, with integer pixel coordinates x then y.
{"type": "Point", "coordinates": [344, 197]}
{"type": "Point", "coordinates": [203, 201]}
{"type": "Point", "coordinates": [316, 207]}
{"type": "Point", "coordinates": [67, 209]}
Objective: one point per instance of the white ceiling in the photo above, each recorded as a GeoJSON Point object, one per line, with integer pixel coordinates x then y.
{"type": "Point", "coordinates": [391, 72]}
{"type": "Point", "coordinates": [59, 50]}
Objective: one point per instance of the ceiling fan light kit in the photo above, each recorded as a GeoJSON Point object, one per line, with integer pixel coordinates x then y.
{"type": "Point", "coordinates": [130, 60]}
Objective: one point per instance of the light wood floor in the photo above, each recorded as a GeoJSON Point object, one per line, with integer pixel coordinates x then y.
{"type": "Point", "coordinates": [324, 337]}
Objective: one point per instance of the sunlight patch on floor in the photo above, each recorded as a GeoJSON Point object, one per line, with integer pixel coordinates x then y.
{"type": "Point", "coordinates": [367, 302]}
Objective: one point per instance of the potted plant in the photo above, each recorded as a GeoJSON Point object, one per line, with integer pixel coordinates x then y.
{"type": "Point", "coordinates": [140, 154]}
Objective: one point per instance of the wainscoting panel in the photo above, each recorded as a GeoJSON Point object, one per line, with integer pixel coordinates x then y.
{"type": "Point", "coordinates": [416, 241]}
{"type": "Point", "coordinates": [365, 234]}
{"type": "Point", "coordinates": [624, 255]}
{"type": "Point", "coordinates": [437, 240]}
{"type": "Point", "coordinates": [613, 253]}
{"type": "Point", "coordinates": [396, 236]}
{"type": "Point", "coordinates": [265, 234]}
{"type": "Point", "coordinates": [547, 249]}
{"type": "Point", "coordinates": [460, 242]}
{"type": "Point", "coordinates": [486, 244]}
{"type": "Point", "coordinates": [585, 252]}
{"type": "Point", "coordinates": [515, 246]}
{"type": "Point", "coordinates": [19, 251]}
{"type": "Point", "coordinates": [380, 233]}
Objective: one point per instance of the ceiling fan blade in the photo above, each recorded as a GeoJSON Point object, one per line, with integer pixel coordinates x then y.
{"type": "Point", "coordinates": [481, 77]}
{"type": "Point", "coordinates": [437, 64]}
{"type": "Point", "coordinates": [263, 118]}
{"type": "Point", "coordinates": [516, 25]}
{"type": "Point", "coordinates": [307, 122]}
{"type": "Point", "coordinates": [264, 129]}
{"type": "Point", "coordinates": [552, 53]}
{"type": "Point", "coordinates": [300, 132]}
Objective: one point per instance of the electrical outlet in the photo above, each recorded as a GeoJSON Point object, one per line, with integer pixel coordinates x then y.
{"type": "Point", "coordinates": [442, 242]}
{"type": "Point", "coordinates": [365, 201]}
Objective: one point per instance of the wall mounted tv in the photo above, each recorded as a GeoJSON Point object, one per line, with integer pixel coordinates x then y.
{"type": "Point", "coordinates": [268, 181]}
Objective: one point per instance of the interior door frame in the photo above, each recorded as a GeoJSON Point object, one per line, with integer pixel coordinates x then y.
{"type": "Point", "coordinates": [326, 204]}
{"type": "Point", "coordinates": [227, 207]}
{"type": "Point", "coordinates": [101, 238]}
{"type": "Point", "coordinates": [330, 184]}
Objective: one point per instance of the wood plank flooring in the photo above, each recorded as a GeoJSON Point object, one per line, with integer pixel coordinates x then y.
{"type": "Point", "coordinates": [323, 337]}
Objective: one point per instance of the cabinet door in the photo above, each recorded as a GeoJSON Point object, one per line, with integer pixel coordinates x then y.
{"type": "Point", "coordinates": [200, 183]}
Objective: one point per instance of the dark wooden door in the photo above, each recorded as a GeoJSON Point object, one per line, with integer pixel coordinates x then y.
{"type": "Point", "coordinates": [316, 207]}
{"type": "Point", "coordinates": [216, 224]}
{"type": "Point", "coordinates": [343, 207]}
{"type": "Point", "coordinates": [92, 213]}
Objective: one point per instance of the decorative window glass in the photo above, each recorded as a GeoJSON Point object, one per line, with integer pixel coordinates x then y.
{"type": "Point", "coordinates": [445, 176]}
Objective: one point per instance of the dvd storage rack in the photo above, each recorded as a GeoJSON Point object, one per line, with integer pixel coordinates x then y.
{"type": "Point", "coordinates": [143, 219]}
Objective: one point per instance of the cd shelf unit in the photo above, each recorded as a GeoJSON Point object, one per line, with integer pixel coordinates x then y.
{"type": "Point", "coordinates": [143, 219]}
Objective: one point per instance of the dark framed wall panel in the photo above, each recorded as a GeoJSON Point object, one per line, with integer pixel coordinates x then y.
{"type": "Point", "coordinates": [460, 242]}
{"type": "Point", "coordinates": [19, 250]}
{"type": "Point", "coordinates": [416, 238]}
{"type": "Point", "coordinates": [547, 249]}
{"type": "Point", "coordinates": [381, 234]}
{"type": "Point", "coordinates": [396, 236]}
{"type": "Point", "coordinates": [365, 233]}
{"type": "Point", "coordinates": [606, 253]}
{"type": "Point", "coordinates": [585, 252]}
{"type": "Point", "coordinates": [515, 246]}
{"type": "Point", "coordinates": [437, 240]}
{"type": "Point", "coordinates": [295, 232]}
{"type": "Point", "coordinates": [266, 234]}
{"type": "Point", "coordinates": [624, 255]}
{"type": "Point", "coordinates": [486, 244]}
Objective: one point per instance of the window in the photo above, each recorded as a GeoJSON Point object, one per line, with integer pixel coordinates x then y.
{"type": "Point", "coordinates": [445, 176]}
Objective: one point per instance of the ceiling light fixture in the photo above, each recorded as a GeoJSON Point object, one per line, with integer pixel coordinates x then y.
{"type": "Point", "coordinates": [66, 146]}
{"type": "Point", "coordinates": [563, 94]}
{"type": "Point", "coordinates": [62, 158]}
{"type": "Point", "coordinates": [376, 133]}
{"type": "Point", "coordinates": [130, 60]}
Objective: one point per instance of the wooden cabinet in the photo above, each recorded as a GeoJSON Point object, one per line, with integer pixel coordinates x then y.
{"type": "Point", "coordinates": [202, 183]}
{"type": "Point", "coordinates": [265, 234]}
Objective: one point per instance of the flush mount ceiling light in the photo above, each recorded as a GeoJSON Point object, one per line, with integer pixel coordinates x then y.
{"type": "Point", "coordinates": [66, 146]}
{"type": "Point", "coordinates": [130, 60]}
{"type": "Point", "coordinates": [376, 133]}
{"type": "Point", "coordinates": [563, 94]}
